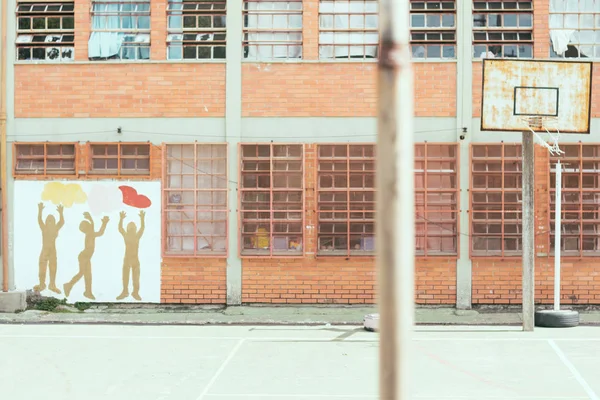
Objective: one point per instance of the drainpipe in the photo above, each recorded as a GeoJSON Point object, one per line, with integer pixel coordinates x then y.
{"type": "Point", "coordinates": [3, 179]}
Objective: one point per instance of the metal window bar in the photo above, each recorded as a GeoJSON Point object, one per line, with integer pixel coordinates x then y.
{"type": "Point", "coordinates": [346, 199]}
{"type": "Point", "coordinates": [45, 31]}
{"type": "Point", "coordinates": [121, 159]}
{"type": "Point", "coordinates": [195, 200]}
{"type": "Point", "coordinates": [438, 219]}
{"type": "Point", "coordinates": [433, 29]}
{"type": "Point", "coordinates": [348, 29]}
{"type": "Point", "coordinates": [496, 202]}
{"type": "Point", "coordinates": [580, 226]}
{"type": "Point", "coordinates": [44, 159]}
{"type": "Point", "coordinates": [196, 29]}
{"type": "Point", "coordinates": [503, 28]}
{"type": "Point", "coordinates": [272, 29]}
{"type": "Point", "coordinates": [271, 209]}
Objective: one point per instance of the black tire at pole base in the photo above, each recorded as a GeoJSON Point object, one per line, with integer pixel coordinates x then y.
{"type": "Point", "coordinates": [556, 319]}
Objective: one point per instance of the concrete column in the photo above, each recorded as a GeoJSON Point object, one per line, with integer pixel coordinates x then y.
{"type": "Point", "coordinates": [233, 132]}
{"type": "Point", "coordinates": [464, 112]}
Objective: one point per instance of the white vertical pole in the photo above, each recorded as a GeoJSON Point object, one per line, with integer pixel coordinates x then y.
{"type": "Point", "coordinates": [557, 228]}
{"type": "Point", "coordinates": [528, 233]}
{"type": "Point", "coordinates": [395, 201]}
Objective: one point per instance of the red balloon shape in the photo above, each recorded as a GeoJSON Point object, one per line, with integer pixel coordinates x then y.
{"type": "Point", "coordinates": [133, 199]}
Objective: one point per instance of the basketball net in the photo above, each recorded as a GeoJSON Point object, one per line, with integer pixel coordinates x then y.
{"type": "Point", "coordinates": [539, 123]}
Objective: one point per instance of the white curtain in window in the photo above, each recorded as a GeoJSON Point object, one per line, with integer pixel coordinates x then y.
{"type": "Point", "coordinates": [565, 28]}
{"type": "Point", "coordinates": [343, 20]}
{"type": "Point", "coordinates": [105, 40]}
{"type": "Point", "coordinates": [274, 22]}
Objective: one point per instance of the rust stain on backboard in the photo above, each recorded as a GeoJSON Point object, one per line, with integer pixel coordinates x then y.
{"type": "Point", "coordinates": [557, 90]}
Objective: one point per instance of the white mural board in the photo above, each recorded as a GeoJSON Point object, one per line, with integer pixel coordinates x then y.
{"type": "Point", "coordinates": [91, 265]}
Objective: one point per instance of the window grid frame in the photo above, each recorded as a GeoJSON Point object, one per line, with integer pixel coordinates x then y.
{"type": "Point", "coordinates": [580, 160]}
{"type": "Point", "coordinates": [62, 32]}
{"type": "Point", "coordinates": [119, 157]}
{"type": "Point", "coordinates": [46, 157]}
{"type": "Point", "coordinates": [425, 43]}
{"type": "Point", "coordinates": [502, 29]}
{"type": "Point", "coordinates": [365, 30]}
{"type": "Point", "coordinates": [166, 202]}
{"type": "Point", "coordinates": [426, 208]}
{"type": "Point", "coordinates": [272, 221]}
{"type": "Point", "coordinates": [183, 43]}
{"type": "Point", "coordinates": [502, 254]}
{"type": "Point", "coordinates": [247, 43]}
{"type": "Point", "coordinates": [348, 210]}
{"type": "Point", "coordinates": [596, 28]}
{"type": "Point", "coordinates": [126, 45]}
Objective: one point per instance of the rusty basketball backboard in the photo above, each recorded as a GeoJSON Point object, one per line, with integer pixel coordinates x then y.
{"type": "Point", "coordinates": [556, 91]}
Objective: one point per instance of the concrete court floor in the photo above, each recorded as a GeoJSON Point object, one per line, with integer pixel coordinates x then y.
{"type": "Point", "coordinates": [64, 362]}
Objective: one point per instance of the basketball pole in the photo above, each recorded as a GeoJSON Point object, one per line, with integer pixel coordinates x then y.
{"type": "Point", "coordinates": [557, 233]}
{"type": "Point", "coordinates": [528, 232]}
{"type": "Point", "coordinates": [395, 221]}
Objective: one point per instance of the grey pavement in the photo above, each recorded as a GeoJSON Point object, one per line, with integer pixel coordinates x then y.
{"type": "Point", "coordinates": [62, 362]}
{"type": "Point", "coordinates": [262, 315]}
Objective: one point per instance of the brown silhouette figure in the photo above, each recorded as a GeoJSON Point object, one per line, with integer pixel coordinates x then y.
{"type": "Point", "coordinates": [50, 231]}
{"type": "Point", "coordinates": [131, 261]}
{"type": "Point", "coordinates": [85, 257]}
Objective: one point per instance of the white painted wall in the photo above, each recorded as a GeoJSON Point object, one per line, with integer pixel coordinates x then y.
{"type": "Point", "coordinates": [99, 198]}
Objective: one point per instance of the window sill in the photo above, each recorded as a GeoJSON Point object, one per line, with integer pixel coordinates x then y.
{"type": "Point", "coordinates": [140, 62]}
{"type": "Point", "coordinates": [192, 255]}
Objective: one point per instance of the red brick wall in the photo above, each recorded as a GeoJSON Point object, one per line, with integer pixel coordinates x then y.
{"type": "Point", "coordinates": [339, 90]}
{"type": "Point", "coordinates": [194, 280]}
{"type": "Point", "coordinates": [334, 279]}
{"type": "Point", "coordinates": [119, 90]}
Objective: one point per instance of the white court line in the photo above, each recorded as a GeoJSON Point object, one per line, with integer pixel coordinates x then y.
{"type": "Point", "coordinates": [302, 396]}
{"type": "Point", "coordinates": [300, 339]}
{"type": "Point", "coordinates": [590, 392]}
{"type": "Point", "coordinates": [219, 371]}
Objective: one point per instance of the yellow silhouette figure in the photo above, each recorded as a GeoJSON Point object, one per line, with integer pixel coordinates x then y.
{"type": "Point", "coordinates": [85, 257]}
{"type": "Point", "coordinates": [131, 261]}
{"type": "Point", "coordinates": [50, 231]}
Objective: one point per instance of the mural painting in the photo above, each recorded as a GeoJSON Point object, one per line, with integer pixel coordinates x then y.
{"type": "Point", "coordinates": [86, 241]}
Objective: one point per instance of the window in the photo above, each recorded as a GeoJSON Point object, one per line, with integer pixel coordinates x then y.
{"type": "Point", "coordinates": [502, 28]}
{"type": "Point", "coordinates": [436, 193]}
{"type": "Point", "coordinates": [348, 29]}
{"type": "Point", "coordinates": [195, 199]}
{"type": "Point", "coordinates": [433, 29]}
{"type": "Point", "coordinates": [120, 159]}
{"type": "Point", "coordinates": [272, 199]}
{"type": "Point", "coordinates": [45, 31]}
{"type": "Point", "coordinates": [496, 201]}
{"type": "Point", "coordinates": [120, 30]}
{"type": "Point", "coordinates": [346, 199]}
{"type": "Point", "coordinates": [272, 29]}
{"type": "Point", "coordinates": [45, 158]}
{"type": "Point", "coordinates": [196, 29]}
{"type": "Point", "coordinates": [580, 195]}
{"type": "Point", "coordinates": [575, 29]}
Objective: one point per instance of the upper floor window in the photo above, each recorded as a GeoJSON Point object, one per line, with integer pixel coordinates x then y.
{"type": "Point", "coordinates": [45, 31]}
{"type": "Point", "coordinates": [120, 30]}
{"type": "Point", "coordinates": [119, 158]}
{"type": "Point", "coordinates": [272, 29]}
{"type": "Point", "coordinates": [348, 29]}
{"type": "Point", "coordinates": [433, 29]}
{"type": "Point", "coordinates": [196, 29]}
{"type": "Point", "coordinates": [575, 28]}
{"type": "Point", "coordinates": [502, 28]}
{"type": "Point", "coordinates": [45, 159]}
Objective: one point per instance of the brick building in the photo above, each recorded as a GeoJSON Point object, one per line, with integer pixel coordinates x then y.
{"type": "Point", "coordinates": [258, 119]}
